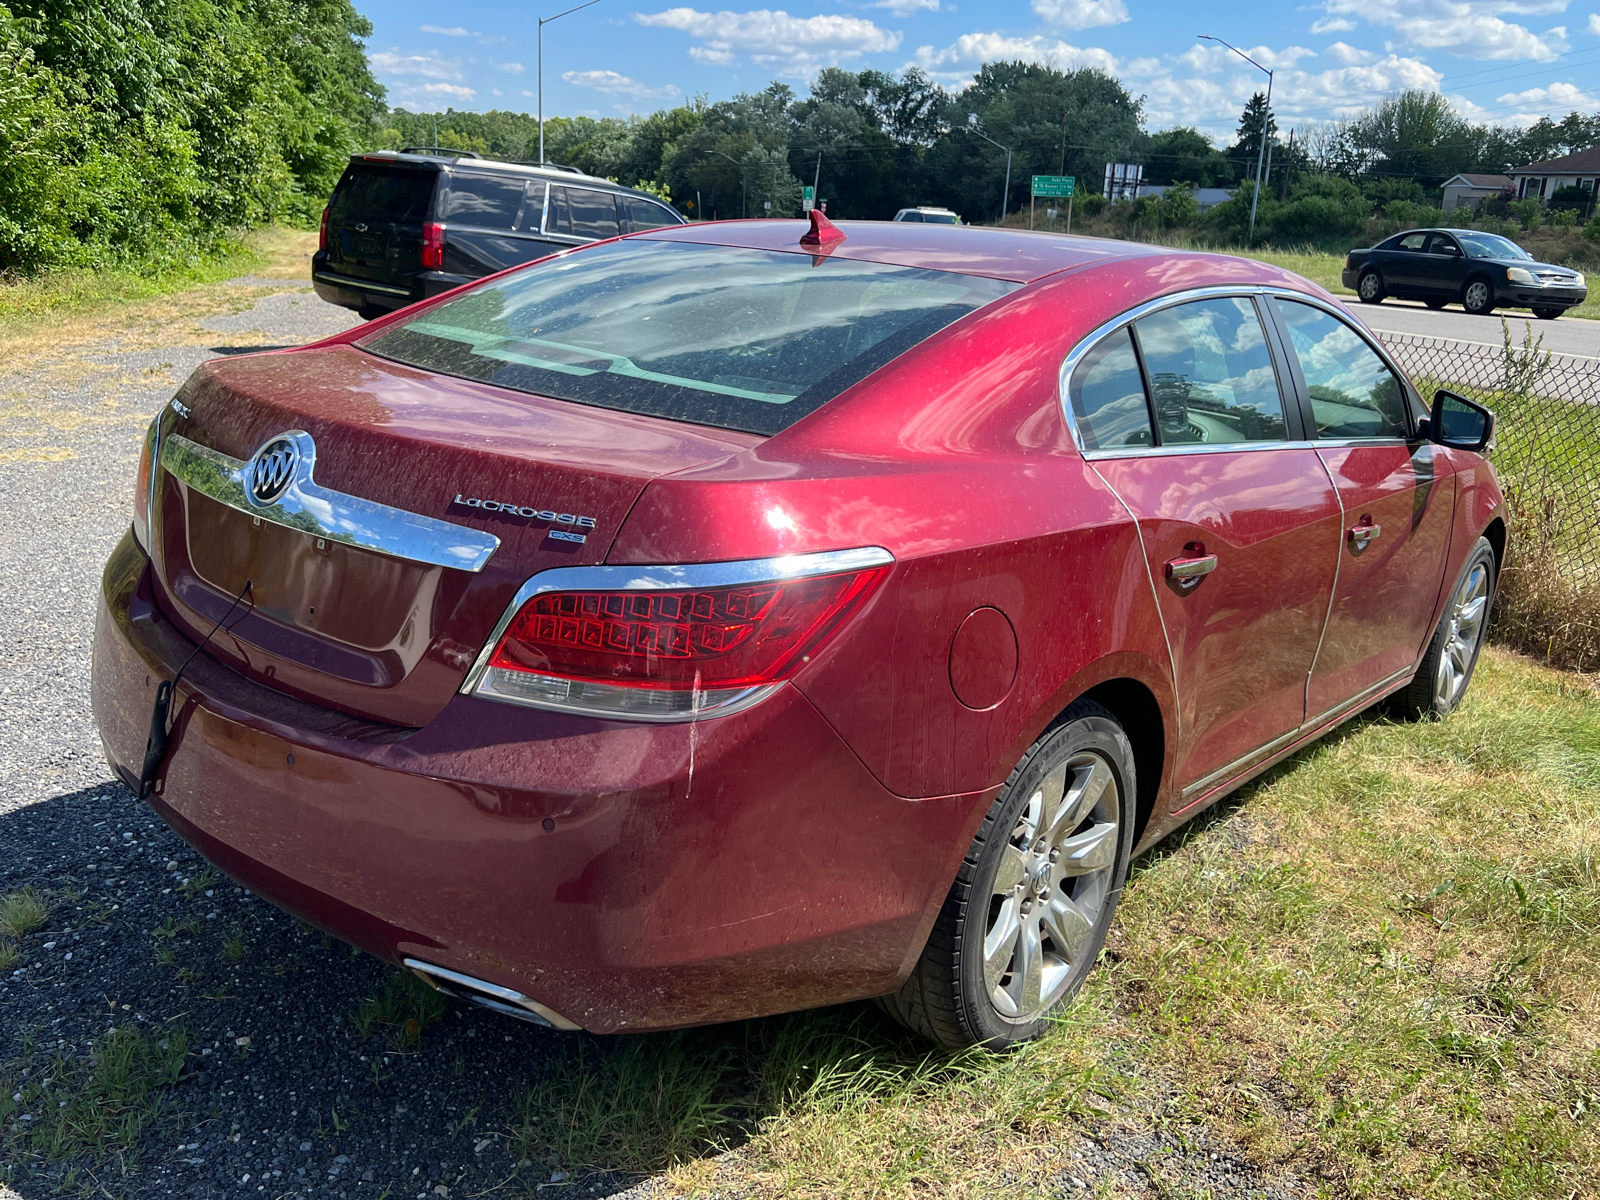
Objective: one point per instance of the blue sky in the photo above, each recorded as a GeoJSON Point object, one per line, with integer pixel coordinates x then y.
{"type": "Point", "coordinates": [1497, 60]}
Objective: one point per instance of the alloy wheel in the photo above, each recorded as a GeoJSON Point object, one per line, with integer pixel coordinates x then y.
{"type": "Point", "coordinates": [1370, 285]}
{"type": "Point", "coordinates": [1055, 876]}
{"type": "Point", "coordinates": [1469, 610]}
{"type": "Point", "coordinates": [1477, 297]}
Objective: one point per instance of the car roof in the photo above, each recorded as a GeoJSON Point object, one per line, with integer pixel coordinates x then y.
{"type": "Point", "coordinates": [473, 162]}
{"type": "Point", "coordinates": [1018, 255]}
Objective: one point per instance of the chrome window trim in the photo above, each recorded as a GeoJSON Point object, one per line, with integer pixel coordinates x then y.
{"type": "Point", "coordinates": [1090, 340]}
{"type": "Point", "coordinates": [654, 576]}
{"type": "Point", "coordinates": [325, 513]}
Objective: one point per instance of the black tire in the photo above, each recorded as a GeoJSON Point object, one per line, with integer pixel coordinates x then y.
{"type": "Point", "coordinates": [1436, 304]}
{"type": "Point", "coordinates": [1426, 696]}
{"type": "Point", "coordinates": [1477, 296]}
{"type": "Point", "coordinates": [947, 997]}
{"type": "Point", "coordinates": [1369, 288]}
{"type": "Point", "coordinates": [1548, 314]}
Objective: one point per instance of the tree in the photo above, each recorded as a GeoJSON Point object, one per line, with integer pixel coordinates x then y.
{"type": "Point", "coordinates": [1185, 155]}
{"type": "Point", "coordinates": [1247, 143]}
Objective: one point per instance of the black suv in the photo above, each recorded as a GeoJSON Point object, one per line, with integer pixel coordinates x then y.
{"type": "Point", "coordinates": [405, 225]}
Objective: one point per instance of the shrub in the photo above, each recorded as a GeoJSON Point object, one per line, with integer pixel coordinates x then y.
{"type": "Point", "coordinates": [1592, 229]}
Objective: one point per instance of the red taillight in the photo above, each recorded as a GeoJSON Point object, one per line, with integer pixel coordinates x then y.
{"type": "Point", "coordinates": [141, 487]}
{"type": "Point", "coordinates": [669, 653]}
{"type": "Point", "coordinates": [322, 234]}
{"type": "Point", "coordinates": [433, 246]}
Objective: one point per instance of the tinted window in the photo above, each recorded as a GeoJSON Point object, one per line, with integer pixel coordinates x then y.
{"type": "Point", "coordinates": [1353, 394]}
{"type": "Point", "coordinates": [642, 214]}
{"type": "Point", "coordinates": [533, 207]}
{"type": "Point", "coordinates": [1107, 396]}
{"type": "Point", "coordinates": [1442, 244]}
{"type": "Point", "coordinates": [1412, 241]}
{"type": "Point", "coordinates": [486, 200]}
{"type": "Point", "coordinates": [939, 218]}
{"type": "Point", "coordinates": [582, 212]}
{"type": "Point", "coordinates": [1211, 376]}
{"type": "Point", "coordinates": [383, 194]}
{"type": "Point", "coordinates": [718, 335]}
{"type": "Point", "coordinates": [911, 216]}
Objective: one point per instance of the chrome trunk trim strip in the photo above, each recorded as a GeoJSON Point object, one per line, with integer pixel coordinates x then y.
{"type": "Point", "coordinates": [324, 513]}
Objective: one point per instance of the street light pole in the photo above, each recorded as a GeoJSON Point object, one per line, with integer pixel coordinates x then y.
{"type": "Point", "coordinates": [1266, 124]}
{"type": "Point", "coordinates": [1005, 195]}
{"type": "Point", "coordinates": [543, 21]}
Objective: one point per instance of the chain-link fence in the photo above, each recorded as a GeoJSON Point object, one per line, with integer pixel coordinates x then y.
{"type": "Point", "coordinates": [1548, 461]}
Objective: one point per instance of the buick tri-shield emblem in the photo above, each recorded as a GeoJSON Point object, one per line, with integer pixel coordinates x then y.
{"type": "Point", "coordinates": [272, 471]}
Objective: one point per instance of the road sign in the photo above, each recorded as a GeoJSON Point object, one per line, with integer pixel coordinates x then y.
{"type": "Point", "coordinates": [808, 198]}
{"type": "Point", "coordinates": [1053, 186]}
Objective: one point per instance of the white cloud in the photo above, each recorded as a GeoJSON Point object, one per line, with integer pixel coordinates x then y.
{"type": "Point", "coordinates": [1333, 25]}
{"type": "Point", "coordinates": [970, 50]}
{"type": "Point", "coordinates": [1081, 14]}
{"type": "Point", "coordinates": [1210, 57]}
{"type": "Point", "coordinates": [771, 38]}
{"type": "Point", "coordinates": [611, 83]}
{"type": "Point", "coordinates": [510, 68]}
{"type": "Point", "coordinates": [423, 66]}
{"type": "Point", "coordinates": [1347, 55]}
{"type": "Point", "coordinates": [1594, 23]}
{"type": "Point", "coordinates": [454, 31]}
{"type": "Point", "coordinates": [1563, 97]}
{"type": "Point", "coordinates": [904, 8]}
{"type": "Point", "coordinates": [1469, 28]}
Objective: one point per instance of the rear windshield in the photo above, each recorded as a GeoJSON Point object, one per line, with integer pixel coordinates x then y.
{"type": "Point", "coordinates": [717, 335]}
{"type": "Point", "coordinates": [375, 193]}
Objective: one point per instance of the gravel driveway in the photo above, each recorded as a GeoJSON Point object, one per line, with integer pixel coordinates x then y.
{"type": "Point", "coordinates": [292, 1075]}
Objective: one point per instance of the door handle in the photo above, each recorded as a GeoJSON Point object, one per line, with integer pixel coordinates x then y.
{"type": "Point", "coordinates": [1360, 535]}
{"type": "Point", "coordinates": [1186, 572]}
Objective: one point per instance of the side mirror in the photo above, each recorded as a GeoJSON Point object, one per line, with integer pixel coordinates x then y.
{"type": "Point", "coordinates": [1460, 423]}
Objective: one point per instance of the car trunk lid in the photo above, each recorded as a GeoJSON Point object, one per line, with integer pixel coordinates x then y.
{"type": "Point", "coordinates": [385, 633]}
{"type": "Point", "coordinates": [375, 220]}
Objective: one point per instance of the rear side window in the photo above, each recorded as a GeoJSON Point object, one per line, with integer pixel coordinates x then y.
{"type": "Point", "coordinates": [582, 212]}
{"type": "Point", "coordinates": [488, 201]}
{"type": "Point", "coordinates": [374, 193]}
{"type": "Point", "coordinates": [1107, 396]}
{"type": "Point", "coordinates": [1210, 373]}
{"type": "Point", "coordinates": [644, 215]}
{"type": "Point", "coordinates": [717, 335]}
{"type": "Point", "coordinates": [1353, 392]}
{"type": "Point", "coordinates": [939, 218]}
{"type": "Point", "coordinates": [1412, 241]}
{"type": "Point", "coordinates": [912, 216]}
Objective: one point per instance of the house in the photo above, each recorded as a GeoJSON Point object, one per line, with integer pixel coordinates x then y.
{"type": "Point", "coordinates": [1469, 191]}
{"type": "Point", "coordinates": [1206, 198]}
{"type": "Point", "coordinates": [1541, 180]}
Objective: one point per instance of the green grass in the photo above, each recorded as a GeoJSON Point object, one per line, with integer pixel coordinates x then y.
{"type": "Point", "coordinates": [93, 1106]}
{"type": "Point", "coordinates": [406, 1006]}
{"type": "Point", "coordinates": [27, 300]}
{"type": "Point", "coordinates": [1378, 967]}
{"type": "Point", "coordinates": [22, 912]}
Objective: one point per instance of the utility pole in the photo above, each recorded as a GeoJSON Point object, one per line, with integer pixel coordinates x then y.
{"type": "Point", "coordinates": [543, 21]}
{"type": "Point", "coordinates": [1266, 124]}
{"type": "Point", "coordinates": [1005, 195]}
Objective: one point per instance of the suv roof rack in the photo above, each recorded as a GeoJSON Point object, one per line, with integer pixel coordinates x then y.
{"type": "Point", "coordinates": [440, 151]}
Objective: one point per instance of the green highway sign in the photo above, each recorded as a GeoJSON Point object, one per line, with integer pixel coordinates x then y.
{"type": "Point", "coordinates": [808, 198]}
{"type": "Point", "coordinates": [1054, 186]}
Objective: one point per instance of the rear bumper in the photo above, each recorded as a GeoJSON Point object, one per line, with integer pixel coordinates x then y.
{"type": "Point", "coordinates": [1349, 277]}
{"type": "Point", "coordinates": [626, 876]}
{"type": "Point", "coordinates": [349, 291]}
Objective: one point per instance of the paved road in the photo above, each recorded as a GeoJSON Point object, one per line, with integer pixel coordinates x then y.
{"type": "Point", "coordinates": [281, 1094]}
{"type": "Point", "coordinates": [1565, 335]}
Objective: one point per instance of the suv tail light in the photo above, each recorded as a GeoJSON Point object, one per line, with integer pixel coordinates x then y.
{"type": "Point", "coordinates": [671, 643]}
{"type": "Point", "coordinates": [322, 234]}
{"type": "Point", "coordinates": [433, 246]}
{"type": "Point", "coordinates": [142, 485]}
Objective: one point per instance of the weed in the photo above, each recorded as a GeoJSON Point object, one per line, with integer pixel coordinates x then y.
{"type": "Point", "coordinates": [233, 948]}
{"type": "Point", "coordinates": [197, 885]}
{"type": "Point", "coordinates": [22, 912]}
{"type": "Point", "coordinates": [94, 1106]}
{"type": "Point", "coordinates": [406, 1003]}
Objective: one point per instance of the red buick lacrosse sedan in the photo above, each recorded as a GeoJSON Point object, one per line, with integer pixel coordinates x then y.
{"type": "Point", "coordinates": [737, 618]}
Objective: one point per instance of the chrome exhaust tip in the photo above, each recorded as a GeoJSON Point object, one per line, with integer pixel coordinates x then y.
{"type": "Point", "coordinates": [490, 995]}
